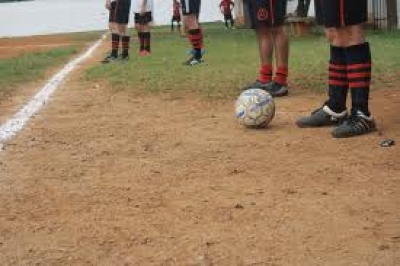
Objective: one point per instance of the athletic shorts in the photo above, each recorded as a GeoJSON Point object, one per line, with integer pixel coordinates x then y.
{"type": "Point", "coordinates": [119, 11]}
{"type": "Point", "coordinates": [228, 16]}
{"type": "Point", "coordinates": [143, 20]}
{"type": "Point", "coordinates": [267, 12]}
{"type": "Point", "coordinates": [339, 13]}
{"type": "Point", "coordinates": [190, 7]}
{"type": "Point", "coordinates": [176, 18]}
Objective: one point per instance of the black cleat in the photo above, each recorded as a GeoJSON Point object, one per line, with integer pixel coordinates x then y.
{"type": "Point", "coordinates": [193, 61]}
{"type": "Point", "coordinates": [357, 124]}
{"type": "Point", "coordinates": [124, 57]}
{"type": "Point", "coordinates": [258, 85]}
{"type": "Point", "coordinates": [277, 90]}
{"type": "Point", "coordinates": [322, 117]}
{"type": "Point", "coordinates": [109, 59]}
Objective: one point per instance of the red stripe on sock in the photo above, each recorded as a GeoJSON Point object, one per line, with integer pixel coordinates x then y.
{"type": "Point", "coordinates": [337, 83]}
{"type": "Point", "coordinates": [338, 67]}
{"type": "Point", "coordinates": [360, 84]}
{"type": "Point", "coordinates": [358, 66]}
{"type": "Point", "coordinates": [359, 75]}
{"type": "Point", "coordinates": [281, 75]}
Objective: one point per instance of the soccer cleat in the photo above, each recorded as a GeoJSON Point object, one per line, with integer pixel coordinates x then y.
{"type": "Point", "coordinates": [109, 59]}
{"type": "Point", "coordinates": [321, 117]}
{"type": "Point", "coordinates": [144, 53]}
{"type": "Point", "coordinates": [357, 124]}
{"type": "Point", "coordinates": [258, 85]}
{"type": "Point", "coordinates": [124, 57]}
{"type": "Point", "coordinates": [193, 51]}
{"type": "Point", "coordinates": [193, 61]}
{"type": "Point", "coordinates": [277, 90]}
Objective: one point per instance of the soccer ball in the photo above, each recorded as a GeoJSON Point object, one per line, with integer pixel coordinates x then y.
{"type": "Point", "coordinates": [255, 108]}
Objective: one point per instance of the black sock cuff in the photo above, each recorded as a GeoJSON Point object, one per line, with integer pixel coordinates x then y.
{"type": "Point", "coordinates": [338, 55]}
{"type": "Point", "coordinates": [194, 31]}
{"type": "Point", "coordinates": [115, 37]}
{"type": "Point", "coordinates": [360, 53]}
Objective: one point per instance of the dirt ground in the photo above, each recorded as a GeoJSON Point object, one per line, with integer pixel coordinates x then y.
{"type": "Point", "coordinates": [111, 177]}
{"type": "Point", "coordinates": [10, 47]}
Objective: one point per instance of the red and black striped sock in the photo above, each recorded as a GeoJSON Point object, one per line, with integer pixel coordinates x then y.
{"type": "Point", "coordinates": [359, 68]}
{"type": "Point", "coordinates": [125, 45]}
{"type": "Point", "coordinates": [196, 39]}
{"type": "Point", "coordinates": [281, 75]}
{"type": "Point", "coordinates": [115, 38]}
{"type": "Point", "coordinates": [141, 40]}
{"type": "Point", "coordinates": [265, 73]}
{"type": "Point", "coordinates": [338, 84]}
{"type": "Point", "coordinates": [147, 41]}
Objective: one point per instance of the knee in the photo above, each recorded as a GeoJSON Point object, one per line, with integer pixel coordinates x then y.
{"type": "Point", "coordinates": [331, 35]}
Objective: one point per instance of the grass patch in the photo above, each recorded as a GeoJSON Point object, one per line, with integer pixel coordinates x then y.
{"type": "Point", "coordinates": [30, 66]}
{"type": "Point", "coordinates": [232, 61]}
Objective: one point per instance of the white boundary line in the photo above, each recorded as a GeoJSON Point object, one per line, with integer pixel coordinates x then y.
{"type": "Point", "coordinates": [16, 123]}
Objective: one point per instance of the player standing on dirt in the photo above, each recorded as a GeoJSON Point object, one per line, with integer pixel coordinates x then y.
{"type": "Point", "coordinates": [176, 14]}
{"type": "Point", "coordinates": [118, 21]}
{"type": "Point", "coordinates": [143, 17]}
{"type": "Point", "coordinates": [226, 7]}
{"type": "Point", "coordinates": [350, 67]}
{"type": "Point", "coordinates": [267, 17]}
{"type": "Point", "coordinates": [191, 11]}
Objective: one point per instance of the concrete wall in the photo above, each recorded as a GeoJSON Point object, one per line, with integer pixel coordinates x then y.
{"type": "Point", "coordinates": [163, 11]}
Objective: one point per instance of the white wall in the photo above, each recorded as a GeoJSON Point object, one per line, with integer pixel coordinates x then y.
{"type": "Point", "coordinates": [398, 13]}
{"type": "Point", "coordinates": [163, 11]}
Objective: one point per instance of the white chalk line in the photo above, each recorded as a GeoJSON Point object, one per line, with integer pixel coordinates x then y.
{"type": "Point", "coordinates": [17, 122]}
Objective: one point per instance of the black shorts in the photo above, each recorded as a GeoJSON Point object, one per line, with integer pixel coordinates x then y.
{"type": "Point", "coordinates": [190, 7]}
{"type": "Point", "coordinates": [143, 20]}
{"type": "Point", "coordinates": [176, 18]}
{"type": "Point", "coordinates": [267, 12]}
{"type": "Point", "coordinates": [119, 11]}
{"type": "Point", "coordinates": [228, 16]}
{"type": "Point", "coordinates": [339, 13]}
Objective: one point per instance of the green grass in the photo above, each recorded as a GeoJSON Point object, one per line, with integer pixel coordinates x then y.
{"type": "Point", "coordinates": [232, 61]}
{"type": "Point", "coordinates": [30, 67]}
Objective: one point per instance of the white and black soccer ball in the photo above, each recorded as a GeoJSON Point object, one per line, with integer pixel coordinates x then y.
{"type": "Point", "coordinates": [255, 108]}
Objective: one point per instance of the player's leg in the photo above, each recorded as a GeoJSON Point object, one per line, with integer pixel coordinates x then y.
{"type": "Point", "coordinates": [279, 86]}
{"type": "Point", "coordinates": [232, 21]}
{"type": "Point", "coordinates": [123, 20]}
{"type": "Point", "coordinates": [191, 10]}
{"type": "Point", "coordinates": [259, 14]}
{"type": "Point", "coordinates": [115, 38]}
{"type": "Point", "coordinates": [349, 68]}
{"type": "Point", "coordinates": [146, 30]}
{"type": "Point", "coordinates": [226, 19]}
{"type": "Point", "coordinates": [172, 24]}
{"type": "Point", "coordinates": [333, 111]}
{"type": "Point", "coordinates": [359, 65]}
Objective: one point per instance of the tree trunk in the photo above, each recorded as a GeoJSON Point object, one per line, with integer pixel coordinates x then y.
{"type": "Point", "coordinates": [391, 6]}
{"type": "Point", "coordinates": [302, 8]}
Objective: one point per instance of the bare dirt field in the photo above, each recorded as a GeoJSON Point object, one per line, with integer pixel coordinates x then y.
{"type": "Point", "coordinates": [10, 47]}
{"type": "Point", "coordinates": [110, 177]}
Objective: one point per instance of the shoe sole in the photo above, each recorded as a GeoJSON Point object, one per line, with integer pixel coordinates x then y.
{"type": "Point", "coordinates": [352, 135]}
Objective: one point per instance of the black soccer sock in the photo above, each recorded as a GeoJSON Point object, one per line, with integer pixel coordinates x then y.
{"type": "Point", "coordinates": [147, 41]}
{"type": "Point", "coordinates": [232, 22]}
{"type": "Point", "coordinates": [359, 66]}
{"type": "Point", "coordinates": [226, 24]}
{"type": "Point", "coordinates": [125, 45]}
{"type": "Point", "coordinates": [141, 40]}
{"type": "Point", "coordinates": [115, 38]}
{"type": "Point", "coordinates": [338, 84]}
